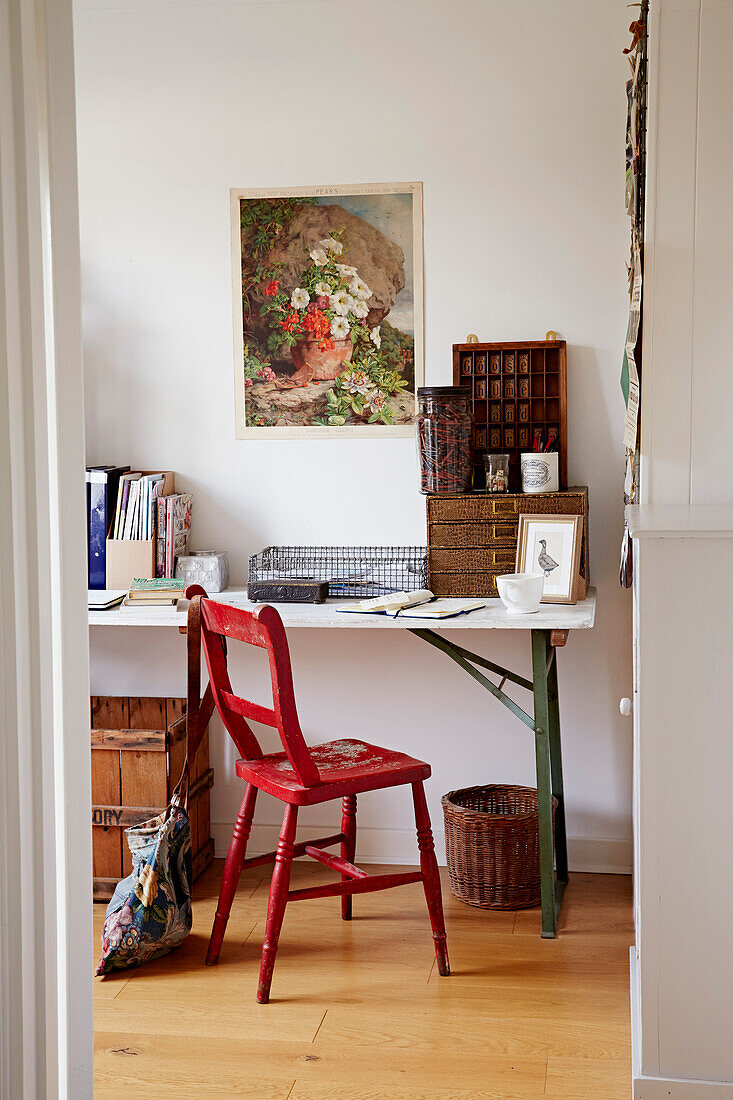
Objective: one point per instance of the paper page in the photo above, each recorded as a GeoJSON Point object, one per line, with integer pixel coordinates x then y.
{"type": "Point", "coordinates": [632, 416]}
{"type": "Point", "coordinates": [389, 604]}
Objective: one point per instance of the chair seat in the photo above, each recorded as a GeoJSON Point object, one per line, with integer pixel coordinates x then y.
{"type": "Point", "coordinates": [345, 767]}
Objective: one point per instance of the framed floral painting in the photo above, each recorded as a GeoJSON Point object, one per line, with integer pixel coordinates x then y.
{"type": "Point", "coordinates": [328, 310]}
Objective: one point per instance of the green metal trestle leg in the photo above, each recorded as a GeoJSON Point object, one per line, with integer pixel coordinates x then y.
{"type": "Point", "coordinates": [549, 779]}
{"type": "Point", "coordinates": [561, 839]}
{"type": "Point", "coordinates": [545, 724]}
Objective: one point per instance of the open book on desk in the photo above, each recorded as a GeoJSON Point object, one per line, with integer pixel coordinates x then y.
{"type": "Point", "coordinates": [413, 605]}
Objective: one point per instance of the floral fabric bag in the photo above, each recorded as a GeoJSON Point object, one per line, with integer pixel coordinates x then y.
{"type": "Point", "coordinates": [150, 912]}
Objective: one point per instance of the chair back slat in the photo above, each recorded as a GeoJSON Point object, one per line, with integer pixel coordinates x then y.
{"type": "Point", "coordinates": [234, 622]}
{"type": "Point", "coordinates": [266, 715]}
{"type": "Point", "coordinates": [262, 627]}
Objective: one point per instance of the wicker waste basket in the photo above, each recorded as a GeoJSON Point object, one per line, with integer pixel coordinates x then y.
{"type": "Point", "coordinates": [492, 844]}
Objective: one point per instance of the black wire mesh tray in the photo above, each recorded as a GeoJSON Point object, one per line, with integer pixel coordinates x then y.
{"type": "Point", "coordinates": [359, 571]}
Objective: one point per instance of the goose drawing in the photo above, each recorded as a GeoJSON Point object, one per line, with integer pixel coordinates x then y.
{"type": "Point", "coordinates": [544, 560]}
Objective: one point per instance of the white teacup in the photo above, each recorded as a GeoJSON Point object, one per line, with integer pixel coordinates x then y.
{"type": "Point", "coordinates": [521, 592]}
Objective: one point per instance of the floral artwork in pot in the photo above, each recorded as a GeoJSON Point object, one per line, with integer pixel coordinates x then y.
{"type": "Point", "coordinates": [328, 310]}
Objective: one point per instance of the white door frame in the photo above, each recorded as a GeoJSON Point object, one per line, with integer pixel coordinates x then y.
{"type": "Point", "coordinates": [45, 796]}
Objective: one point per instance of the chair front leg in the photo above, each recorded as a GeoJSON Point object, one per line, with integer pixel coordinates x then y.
{"type": "Point", "coordinates": [348, 846]}
{"type": "Point", "coordinates": [279, 886]}
{"type": "Point", "coordinates": [232, 870]}
{"type": "Point", "coordinates": [431, 876]}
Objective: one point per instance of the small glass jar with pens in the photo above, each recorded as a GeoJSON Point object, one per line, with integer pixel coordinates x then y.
{"type": "Point", "coordinates": [540, 466]}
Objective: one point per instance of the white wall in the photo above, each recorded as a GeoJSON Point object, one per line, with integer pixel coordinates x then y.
{"type": "Point", "coordinates": [513, 116]}
{"type": "Point", "coordinates": [46, 1041]}
{"type": "Point", "coordinates": [681, 990]}
{"type": "Point", "coordinates": [687, 383]}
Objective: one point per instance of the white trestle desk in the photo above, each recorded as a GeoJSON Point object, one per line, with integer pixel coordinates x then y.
{"type": "Point", "coordinates": [548, 629]}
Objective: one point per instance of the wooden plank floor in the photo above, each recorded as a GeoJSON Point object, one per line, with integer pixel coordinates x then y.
{"type": "Point", "coordinates": [358, 1011]}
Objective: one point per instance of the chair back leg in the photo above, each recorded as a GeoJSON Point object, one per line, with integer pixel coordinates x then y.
{"type": "Point", "coordinates": [279, 886]}
{"type": "Point", "coordinates": [232, 870]}
{"type": "Point", "coordinates": [431, 876]}
{"type": "Point", "coordinates": [348, 846]}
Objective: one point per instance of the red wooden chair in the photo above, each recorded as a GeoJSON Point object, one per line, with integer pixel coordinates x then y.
{"type": "Point", "coordinates": [299, 776]}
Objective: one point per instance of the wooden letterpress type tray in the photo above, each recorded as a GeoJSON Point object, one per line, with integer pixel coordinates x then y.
{"type": "Point", "coordinates": [516, 388]}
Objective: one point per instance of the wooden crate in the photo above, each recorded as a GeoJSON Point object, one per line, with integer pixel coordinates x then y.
{"type": "Point", "coordinates": [138, 751]}
{"type": "Point", "coordinates": [472, 538]}
{"type": "Point", "coordinates": [516, 388]}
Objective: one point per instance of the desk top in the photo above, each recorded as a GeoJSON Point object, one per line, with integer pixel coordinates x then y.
{"type": "Point", "coordinates": [580, 616]}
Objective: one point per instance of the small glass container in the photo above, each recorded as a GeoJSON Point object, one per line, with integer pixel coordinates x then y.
{"type": "Point", "coordinates": [209, 568]}
{"type": "Point", "coordinates": [444, 434]}
{"type": "Point", "coordinates": [497, 473]}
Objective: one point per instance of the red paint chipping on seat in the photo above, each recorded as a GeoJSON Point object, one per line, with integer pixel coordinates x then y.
{"type": "Point", "coordinates": [345, 767]}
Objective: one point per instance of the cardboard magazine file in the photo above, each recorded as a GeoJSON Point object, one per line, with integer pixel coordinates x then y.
{"type": "Point", "coordinates": [131, 558]}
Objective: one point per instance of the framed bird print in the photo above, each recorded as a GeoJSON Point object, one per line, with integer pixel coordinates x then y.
{"type": "Point", "coordinates": [551, 545]}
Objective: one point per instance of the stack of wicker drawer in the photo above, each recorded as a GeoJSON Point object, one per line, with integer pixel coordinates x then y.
{"type": "Point", "coordinates": [472, 539]}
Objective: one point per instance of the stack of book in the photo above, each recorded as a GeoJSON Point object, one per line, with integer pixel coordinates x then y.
{"type": "Point", "coordinates": [102, 491]}
{"type": "Point", "coordinates": [173, 528]}
{"type": "Point", "coordinates": [137, 525]}
{"type": "Point", "coordinates": [135, 512]}
{"type": "Point", "coordinates": [153, 592]}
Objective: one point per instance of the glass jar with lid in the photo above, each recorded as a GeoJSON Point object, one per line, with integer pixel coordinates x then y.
{"type": "Point", "coordinates": [444, 437]}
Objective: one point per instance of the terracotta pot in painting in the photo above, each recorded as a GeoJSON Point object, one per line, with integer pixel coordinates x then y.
{"type": "Point", "coordinates": [314, 365]}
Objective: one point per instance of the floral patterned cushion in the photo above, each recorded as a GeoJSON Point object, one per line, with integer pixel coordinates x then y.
{"type": "Point", "coordinates": [150, 911]}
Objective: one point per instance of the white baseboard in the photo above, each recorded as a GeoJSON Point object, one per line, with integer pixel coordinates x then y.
{"type": "Point", "coordinates": [601, 855]}
{"type": "Point", "coordinates": [398, 846]}
{"type": "Point", "coordinates": [664, 1088]}
{"type": "Point", "coordinates": [672, 1088]}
